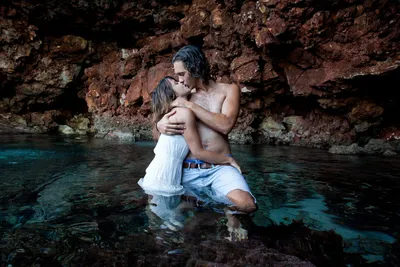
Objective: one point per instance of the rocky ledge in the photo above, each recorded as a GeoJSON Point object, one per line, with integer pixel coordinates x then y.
{"type": "Point", "coordinates": [312, 73]}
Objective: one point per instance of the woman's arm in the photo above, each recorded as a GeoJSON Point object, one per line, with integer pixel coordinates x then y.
{"type": "Point", "coordinates": [155, 133]}
{"type": "Point", "coordinates": [165, 126]}
{"type": "Point", "coordinates": [192, 138]}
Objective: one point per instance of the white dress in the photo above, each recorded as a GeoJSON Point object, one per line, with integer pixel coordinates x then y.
{"type": "Point", "coordinates": [164, 174]}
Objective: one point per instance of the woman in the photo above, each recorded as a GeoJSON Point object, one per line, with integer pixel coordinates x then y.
{"type": "Point", "coordinates": [163, 175]}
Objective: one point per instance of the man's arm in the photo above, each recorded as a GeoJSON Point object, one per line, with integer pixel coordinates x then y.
{"type": "Point", "coordinates": [221, 122]}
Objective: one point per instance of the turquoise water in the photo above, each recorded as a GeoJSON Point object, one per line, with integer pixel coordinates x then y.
{"type": "Point", "coordinates": [84, 191]}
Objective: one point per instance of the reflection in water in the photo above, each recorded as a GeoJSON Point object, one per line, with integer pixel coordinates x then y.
{"type": "Point", "coordinates": [312, 211]}
{"type": "Point", "coordinates": [169, 209]}
{"type": "Point", "coordinates": [347, 194]}
{"type": "Point", "coordinates": [79, 190]}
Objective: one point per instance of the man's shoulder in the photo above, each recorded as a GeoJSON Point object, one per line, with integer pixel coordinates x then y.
{"type": "Point", "coordinates": [228, 86]}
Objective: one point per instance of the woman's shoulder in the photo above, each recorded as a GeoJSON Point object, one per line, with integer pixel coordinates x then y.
{"type": "Point", "coordinates": [184, 113]}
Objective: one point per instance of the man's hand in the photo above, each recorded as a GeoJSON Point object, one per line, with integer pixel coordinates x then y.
{"type": "Point", "coordinates": [234, 164]}
{"type": "Point", "coordinates": [164, 126]}
{"type": "Point", "coordinates": [180, 102]}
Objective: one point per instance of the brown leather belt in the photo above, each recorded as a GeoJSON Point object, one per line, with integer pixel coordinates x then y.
{"type": "Point", "coordinates": [191, 165]}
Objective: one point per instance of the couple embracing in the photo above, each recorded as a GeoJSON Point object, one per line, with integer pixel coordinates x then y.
{"type": "Point", "coordinates": [192, 155]}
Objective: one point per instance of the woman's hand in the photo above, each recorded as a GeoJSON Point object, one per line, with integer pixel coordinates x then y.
{"type": "Point", "coordinates": [234, 164]}
{"type": "Point", "coordinates": [164, 126]}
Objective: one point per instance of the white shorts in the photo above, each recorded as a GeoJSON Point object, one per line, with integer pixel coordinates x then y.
{"type": "Point", "coordinates": [214, 183]}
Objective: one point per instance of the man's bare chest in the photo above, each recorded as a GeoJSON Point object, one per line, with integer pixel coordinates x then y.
{"type": "Point", "coordinates": [212, 101]}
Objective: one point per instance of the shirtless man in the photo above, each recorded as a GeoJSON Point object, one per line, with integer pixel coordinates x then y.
{"type": "Point", "coordinates": [216, 105]}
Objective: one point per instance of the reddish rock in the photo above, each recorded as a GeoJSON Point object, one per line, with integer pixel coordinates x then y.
{"type": "Point", "coordinates": [316, 24]}
{"type": "Point", "coordinates": [165, 41]}
{"type": "Point", "coordinates": [134, 93]}
{"type": "Point", "coordinates": [269, 73]}
{"type": "Point", "coordinates": [276, 25]}
{"type": "Point", "coordinates": [255, 105]}
{"type": "Point", "coordinates": [217, 20]}
{"type": "Point", "coordinates": [293, 75]}
{"type": "Point", "coordinates": [130, 66]}
{"type": "Point", "coordinates": [264, 37]}
{"type": "Point", "coordinates": [336, 103]}
{"type": "Point", "coordinates": [390, 134]}
{"type": "Point", "coordinates": [197, 19]}
{"type": "Point", "coordinates": [297, 12]}
{"type": "Point", "coordinates": [156, 73]}
{"type": "Point", "coordinates": [217, 61]}
{"type": "Point", "coordinates": [68, 44]}
{"type": "Point", "coordinates": [275, 50]}
{"type": "Point", "coordinates": [304, 59]}
{"type": "Point", "coordinates": [331, 51]}
{"type": "Point", "coordinates": [365, 110]}
{"type": "Point", "coordinates": [246, 20]}
{"type": "Point", "coordinates": [246, 69]}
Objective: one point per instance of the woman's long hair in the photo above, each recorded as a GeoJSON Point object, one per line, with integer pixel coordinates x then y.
{"type": "Point", "coordinates": [161, 98]}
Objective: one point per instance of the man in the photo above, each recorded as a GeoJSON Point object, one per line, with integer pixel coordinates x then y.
{"type": "Point", "coordinates": [216, 105]}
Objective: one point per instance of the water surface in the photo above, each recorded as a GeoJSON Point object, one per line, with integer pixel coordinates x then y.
{"type": "Point", "coordinates": [84, 191]}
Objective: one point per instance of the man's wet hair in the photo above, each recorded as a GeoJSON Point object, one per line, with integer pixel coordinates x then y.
{"type": "Point", "coordinates": [194, 61]}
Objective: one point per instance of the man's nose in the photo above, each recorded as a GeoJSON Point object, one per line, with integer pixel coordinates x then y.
{"type": "Point", "coordinates": [180, 79]}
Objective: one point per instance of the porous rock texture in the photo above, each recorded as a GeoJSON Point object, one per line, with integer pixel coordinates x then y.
{"type": "Point", "coordinates": [312, 73]}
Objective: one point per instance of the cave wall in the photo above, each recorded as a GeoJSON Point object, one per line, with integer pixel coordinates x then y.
{"type": "Point", "coordinates": [312, 73]}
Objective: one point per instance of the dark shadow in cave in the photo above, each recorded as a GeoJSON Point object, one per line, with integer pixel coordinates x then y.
{"type": "Point", "coordinates": [196, 40]}
{"type": "Point", "coordinates": [69, 100]}
{"type": "Point", "coordinates": [7, 89]}
{"type": "Point", "coordinates": [383, 90]}
{"type": "Point", "coordinates": [102, 25]}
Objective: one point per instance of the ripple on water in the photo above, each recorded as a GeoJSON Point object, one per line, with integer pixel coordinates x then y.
{"type": "Point", "coordinates": [87, 191]}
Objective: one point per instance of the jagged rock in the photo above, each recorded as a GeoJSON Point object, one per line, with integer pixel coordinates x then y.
{"type": "Point", "coordinates": [293, 122]}
{"type": "Point", "coordinates": [373, 147]}
{"type": "Point", "coordinates": [396, 145]}
{"type": "Point", "coordinates": [66, 130]}
{"type": "Point", "coordinates": [364, 110]}
{"type": "Point", "coordinates": [271, 126]}
{"type": "Point", "coordinates": [106, 126]}
{"type": "Point", "coordinates": [246, 69]}
{"type": "Point", "coordinates": [389, 153]}
{"type": "Point", "coordinates": [241, 137]}
{"type": "Point", "coordinates": [352, 149]}
{"type": "Point", "coordinates": [362, 127]}
{"type": "Point", "coordinates": [292, 58]}
{"type": "Point", "coordinates": [377, 146]}
{"type": "Point", "coordinates": [80, 124]}
{"type": "Point", "coordinates": [12, 123]}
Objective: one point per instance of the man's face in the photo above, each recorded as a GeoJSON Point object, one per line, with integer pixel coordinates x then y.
{"type": "Point", "coordinates": [179, 89]}
{"type": "Point", "coordinates": [184, 75]}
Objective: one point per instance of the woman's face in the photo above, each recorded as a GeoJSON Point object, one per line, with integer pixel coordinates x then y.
{"type": "Point", "coordinates": [179, 89]}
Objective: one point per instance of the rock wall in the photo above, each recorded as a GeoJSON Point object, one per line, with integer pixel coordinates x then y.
{"type": "Point", "coordinates": [312, 73]}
